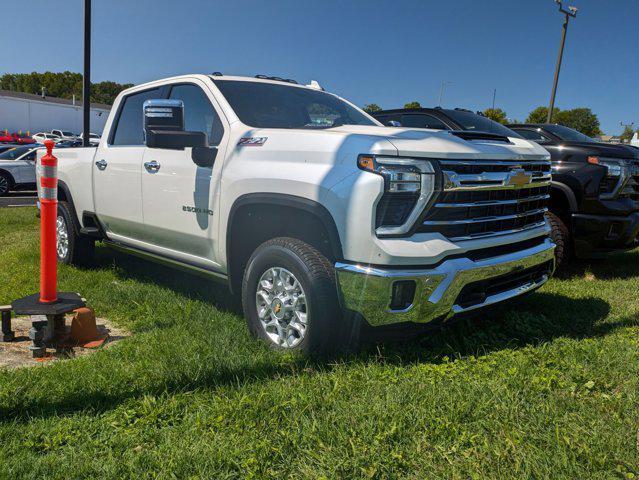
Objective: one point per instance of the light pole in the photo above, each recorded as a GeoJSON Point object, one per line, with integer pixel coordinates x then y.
{"type": "Point", "coordinates": [441, 91]}
{"type": "Point", "coordinates": [568, 14]}
{"type": "Point", "coordinates": [86, 76]}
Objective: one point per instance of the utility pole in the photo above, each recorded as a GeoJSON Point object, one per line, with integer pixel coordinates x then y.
{"type": "Point", "coordinates": [494, 95]}
{"type": "Point", "coordinates": [86, 76]}
{"type": "Point", "coordinates": [441, 91]}
{"type": "Point", "coordinates": [568, 14]}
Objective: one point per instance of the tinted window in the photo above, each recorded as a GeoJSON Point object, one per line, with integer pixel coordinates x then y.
{"type": "Point", "coordinates": [477, 123]}
{"type": "Point", "coordinates": [14, 153]}
{"type": "Point", "coordinates": [421, 120]}
{"type": "Point", "coordinates": [269, 105]}
{"type": "Point", "coordinates": [199, 115]}
{"type": "Point", "coordinates": [130, 127]}
{"type": "Point", "coordinates": [533, 135]}
{"type": "Point", "coordinates": [568, 134]}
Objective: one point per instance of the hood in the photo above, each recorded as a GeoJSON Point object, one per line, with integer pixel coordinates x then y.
{"type": "Point", "coordinates": [605, 149]}
{"type": "Point", "coordinates": [444, 144]}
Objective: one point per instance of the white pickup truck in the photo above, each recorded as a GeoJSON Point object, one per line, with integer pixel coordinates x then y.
{"type": "Point", "coordinates": [319, 216]}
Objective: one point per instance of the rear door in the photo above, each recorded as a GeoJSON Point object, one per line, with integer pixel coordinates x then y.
{"type": "Point", "coordinates": [117, 171]}
{"type": "Point", "coordinates": [180, 199]}
{"type": "Point", "coordinates": [27, 167]}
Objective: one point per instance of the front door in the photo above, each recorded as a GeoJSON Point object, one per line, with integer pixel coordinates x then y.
{"type": "Point", "coordinates": [180, 199]}
{"type": "Point", "coordinates": [117, 172]}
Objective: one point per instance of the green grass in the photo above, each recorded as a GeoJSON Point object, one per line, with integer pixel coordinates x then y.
{"type": "Point", "coordinates": [546, 388]}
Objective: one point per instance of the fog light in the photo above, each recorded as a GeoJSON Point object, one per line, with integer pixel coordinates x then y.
{"type": "Point", "coordinates": [403, 294]}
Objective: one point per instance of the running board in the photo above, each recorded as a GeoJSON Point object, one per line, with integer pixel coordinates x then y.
{"type": "Point", "coordinates": [187, 267]}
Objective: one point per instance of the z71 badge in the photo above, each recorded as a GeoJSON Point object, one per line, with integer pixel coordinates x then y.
{"type": "Point", "coordinates": [186, 208]}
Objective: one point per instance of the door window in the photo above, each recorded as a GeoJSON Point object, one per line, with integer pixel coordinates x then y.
{"type": "Point", "coordinates": [129, 129]}
{"type": "Point", "coordinates": [199, 114]}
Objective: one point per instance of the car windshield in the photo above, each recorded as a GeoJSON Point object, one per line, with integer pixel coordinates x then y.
{"type": "Point", "coordinates": [14, 153]}
{"type": "Point", "coordinates": [269, 105]}
{"type": "Point", "coordinates": [477, 123]}
{"type": "Point", "coordinates": [568, 134]}
{"type": "Point", "coordinates": [68, 134]}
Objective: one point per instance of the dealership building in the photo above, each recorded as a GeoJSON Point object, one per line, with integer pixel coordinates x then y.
{"type": "Point", "coordinates": [34, 113]}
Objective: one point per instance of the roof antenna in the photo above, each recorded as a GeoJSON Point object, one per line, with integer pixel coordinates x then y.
{"type": "Point", "coordinates": [315, 85]}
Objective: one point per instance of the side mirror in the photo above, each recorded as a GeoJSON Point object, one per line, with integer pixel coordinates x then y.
{"type": "Point", "coordinates": [164, 126]}
{"type": "Point", "coordinates": [393, 123]}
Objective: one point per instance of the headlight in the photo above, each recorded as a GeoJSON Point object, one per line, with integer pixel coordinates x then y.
{"type": "Point", "coordinates": [408, 186]}
{"type": "Point", "coordinates": [616, 175]}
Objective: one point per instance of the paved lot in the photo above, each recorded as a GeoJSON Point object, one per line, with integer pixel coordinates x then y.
{"type": "Point", "coordinates": [19, 199]}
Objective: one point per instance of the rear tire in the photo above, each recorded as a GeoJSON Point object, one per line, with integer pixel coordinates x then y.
{"type": "Point", "coordinates": [5, 184]}
{"type": "Point", "coordinates": [290, 300]}
{"type": "Point", "coordinates": [72, 248]}
{"type": "Point", "coordinates": [560, 235]}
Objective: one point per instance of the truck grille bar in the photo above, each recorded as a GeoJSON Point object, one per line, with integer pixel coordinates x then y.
{"type": "Point", "coordinates": [487, 198]}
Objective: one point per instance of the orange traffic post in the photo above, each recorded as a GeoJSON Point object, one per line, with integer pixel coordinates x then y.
{"type": "Point", "coordinates": [48, 217]}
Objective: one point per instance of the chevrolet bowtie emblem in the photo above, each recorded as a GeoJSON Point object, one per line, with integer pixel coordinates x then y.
{"type": "Point", "coordinates": [518, 178]}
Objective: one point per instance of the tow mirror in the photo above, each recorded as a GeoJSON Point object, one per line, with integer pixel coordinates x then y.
{"type": "Point", "coordinates": [164, 128]}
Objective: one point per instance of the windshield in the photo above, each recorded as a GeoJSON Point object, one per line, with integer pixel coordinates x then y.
{"type": "Point", "coordinates": [269, 105]}
{"type": "Point", "coordinates": [477, 123]}
{"type": "Point", "coordinates": [568, 134]}
{"type": "Point", "coordinates": [68, 134]}
{"type": "Point", "coordinates": [14, 153]}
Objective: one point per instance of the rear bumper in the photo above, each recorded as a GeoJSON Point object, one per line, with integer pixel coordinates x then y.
{"type": "Point", "coordinates": [455, 286]}
{"type": "Point", "coordinates": [599, 234]}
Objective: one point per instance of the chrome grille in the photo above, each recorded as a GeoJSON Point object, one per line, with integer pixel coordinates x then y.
{"type": "Point", "coordinates": [485, 198]}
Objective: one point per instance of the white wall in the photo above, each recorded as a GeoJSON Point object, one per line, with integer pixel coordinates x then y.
{"type": "Point", "coordinates": [41, 116]}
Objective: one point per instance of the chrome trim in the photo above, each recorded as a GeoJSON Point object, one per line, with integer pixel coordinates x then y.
{"type": "Point", "coordinates": [493, 202]}
{"type": "Point", "coordinates": [502, 232]}
{"type": "Point", "coordinates": [486, 219]}
{"type": "Point", "coordinates": [488, 181]}
{"type": "Point", "coordinates": [368, 290]}
{"type": "Point", "coordinates": [101, 164]}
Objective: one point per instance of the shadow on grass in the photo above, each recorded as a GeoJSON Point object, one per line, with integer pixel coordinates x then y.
{"type": "Point", "coordinates": [622, 265]}
{"type": "Point", "coordinates": [540, 318]}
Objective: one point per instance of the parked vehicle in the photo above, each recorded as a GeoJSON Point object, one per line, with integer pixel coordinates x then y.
{"type": "Point", "coordinates": [42, 136]}
{"type": "Point", "coordinates": [318, 215]}
{"type": "Point", "coordinates": [6, 137]}
{"type": "Point", "coordinates": [66, 135]}
{"type": "Point", "coordinates": [68, 143]}
{"type": "Point", "coordinates": [17, 168]}
{"type": "Point", "coordinates": [94, 138]}
{"type": "Point", "coordinates": [22, 139]}
{"type": "Point", "coordinates": [594, 206]}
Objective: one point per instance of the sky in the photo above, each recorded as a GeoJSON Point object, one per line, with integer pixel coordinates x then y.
{"type": "Point", "coordinates": [384, 52]}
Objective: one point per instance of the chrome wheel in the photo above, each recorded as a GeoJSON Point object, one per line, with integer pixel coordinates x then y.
{"type": "Point", "coordinates": [281, 307]}
{"type": "Point", "coordinates": [62, 237]}
{"type": "Point", "coordinates": [4, 185]}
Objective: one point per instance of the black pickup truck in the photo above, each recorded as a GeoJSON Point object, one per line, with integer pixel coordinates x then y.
{"type": "Point", "coordinates": [594, 205]}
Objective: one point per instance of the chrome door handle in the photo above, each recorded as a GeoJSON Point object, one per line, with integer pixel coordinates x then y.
{"type": "Point", "coordinates": [152, 166]}
{"type": "Point", "coordinates": [101, 164]}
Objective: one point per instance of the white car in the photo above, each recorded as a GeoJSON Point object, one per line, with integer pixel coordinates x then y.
{"type": "Point", "coordinates": [17, 168]}
{"type": "Point", "coordinates": [315, 213]}
{"type": "Point", "coordinates": [65, 135]}
{"type": "Point", "coordinates": [40, 137]}
{"type": "Point", "coordinates": [94, 138]}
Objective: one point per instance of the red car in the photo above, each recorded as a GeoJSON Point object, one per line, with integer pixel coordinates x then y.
{"type": "Point", "coordinates": [22, 139]}
{"type": "Point", "coordinates": [5, 137]}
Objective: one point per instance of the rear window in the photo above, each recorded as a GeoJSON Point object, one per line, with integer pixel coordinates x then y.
{"type": "Point", "coordinates": [477, 123]}
{"type": "Point", "coordinates": [269, 105]}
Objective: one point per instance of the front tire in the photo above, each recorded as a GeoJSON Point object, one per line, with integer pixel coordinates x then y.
{"type": "Point", "coordinates": [290, 300]}
{"type": "Point", "coordinates": [560, 235]}
{"type": "Point", "coordinates": [72, 248]}
{"type": "Point", "coordinates": [5, 184]}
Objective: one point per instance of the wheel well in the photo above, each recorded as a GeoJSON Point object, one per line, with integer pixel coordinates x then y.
{"type": "Point", "coordinates": [253, 224]}
{"type": "Point", "coordinates": [560, 204]}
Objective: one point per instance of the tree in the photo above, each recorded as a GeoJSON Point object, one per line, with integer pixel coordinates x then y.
{"type": "Point", "coordinates": [413, 105]}
{"type": "Point", "coordinates": [372, 108]}
{"type": "Point", "coordinates": [627, 134]}
{"type": "Point", "coordinates": [496, 114]}
{"type": "Point", "coordinates": [61, 85]}
{"type": "Point", "coordinates": [581, 119]}
{"type": "Point", "coordinates": [540, 115]}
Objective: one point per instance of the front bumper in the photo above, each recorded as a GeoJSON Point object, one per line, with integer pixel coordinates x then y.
{"type": "Point", "coordinates": [599, 234]}
{"type": "Point", "coordinates": [440, 291]}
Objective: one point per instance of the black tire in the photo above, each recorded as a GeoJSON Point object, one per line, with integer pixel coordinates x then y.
{"type": "Point", "coordinates": [560, 235]}
{"type": "Point", "coordinates": [5, 184]}
{"type": "Point", "coordinates": [328, 329]}
{"type": "Point", "coordinates": [80, 248]}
